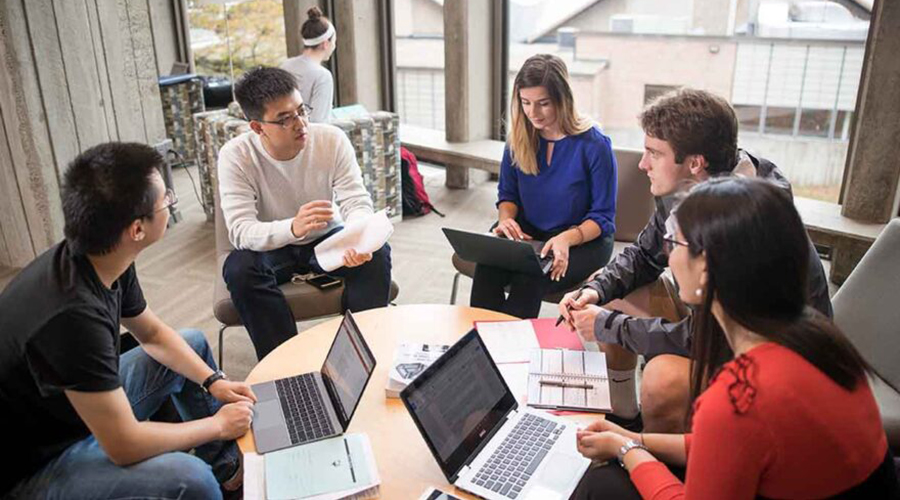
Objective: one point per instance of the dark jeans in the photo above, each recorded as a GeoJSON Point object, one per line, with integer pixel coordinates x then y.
{"type": "Point", "coordinates": [253, 279]}
{"type": "Point", "coordinates": [84, 470]}
{"type": "Point", "coordinates": [526, 291]}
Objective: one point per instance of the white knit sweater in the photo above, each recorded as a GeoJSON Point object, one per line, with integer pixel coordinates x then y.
{"type": "Point", "coordinates": [261, 195]}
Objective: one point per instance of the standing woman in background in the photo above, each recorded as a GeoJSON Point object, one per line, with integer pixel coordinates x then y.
{"type": "Point", "coordinates": [557, 185]}
{"type": "Point", "coordinates": [316, 82]}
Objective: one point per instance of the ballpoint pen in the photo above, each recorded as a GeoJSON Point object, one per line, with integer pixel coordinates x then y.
{"type": "Point", "coordinates": [554, 383]}
{"type": "Point", "coordinates": [560, 319]}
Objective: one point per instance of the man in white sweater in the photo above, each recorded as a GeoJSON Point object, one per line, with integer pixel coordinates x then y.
{"type": "Point", "coordinates": [280, 185]}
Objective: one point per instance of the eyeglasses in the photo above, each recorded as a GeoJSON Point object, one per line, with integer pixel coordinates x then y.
{"type": "Point", "coordinates": [291, 120]}
{"type": "Point", "coordinates": [670, 242]}
{"type": "Point", "coordinates": [170, 200]}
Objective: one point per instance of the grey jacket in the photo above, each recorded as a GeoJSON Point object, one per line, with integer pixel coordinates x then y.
{"type": "Point", "coordinates": [644, 261]}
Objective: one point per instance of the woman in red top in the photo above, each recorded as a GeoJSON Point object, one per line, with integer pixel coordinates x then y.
{"type": "Point", "coordinates": [782, 408]}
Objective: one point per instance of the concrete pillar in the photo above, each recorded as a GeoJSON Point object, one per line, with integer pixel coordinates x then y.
{"type": "Point", "coordinates": [873, 167]}
{"type": "Point", "coordinates": [359, 78]}
{"type": "Point", "coordinates": [467, 74]}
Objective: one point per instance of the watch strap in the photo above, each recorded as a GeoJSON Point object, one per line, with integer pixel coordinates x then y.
{"type": "Point", "coordinates": [215, 377]}
{"type": "Point", "coordinates": [628, 446]}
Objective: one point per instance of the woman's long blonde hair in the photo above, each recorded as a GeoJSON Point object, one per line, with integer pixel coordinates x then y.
{"type": "Point", "coordinates": [548, 71]}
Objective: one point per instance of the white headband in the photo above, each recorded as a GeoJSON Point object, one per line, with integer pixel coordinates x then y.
{"type": "Point", "coordinates": [312, 42]}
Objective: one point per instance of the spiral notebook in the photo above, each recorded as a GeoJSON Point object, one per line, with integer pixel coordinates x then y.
{"type": "Point", "coordinates": [561, 379]}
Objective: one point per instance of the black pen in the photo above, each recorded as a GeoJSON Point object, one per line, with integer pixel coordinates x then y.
{"type": "Point", "coordinates": [560, 319]}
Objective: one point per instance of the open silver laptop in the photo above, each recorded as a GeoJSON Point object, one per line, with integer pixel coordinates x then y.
{"type": "Point", "coordinates": [317, 405]}
{"type": "Point", "coordinates": [483, 443]}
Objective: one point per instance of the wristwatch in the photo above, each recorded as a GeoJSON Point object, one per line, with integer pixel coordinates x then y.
{"type": "Point", "coordinates": [628, 446]}
{"type": "Point", "coordinates": [215, 377]}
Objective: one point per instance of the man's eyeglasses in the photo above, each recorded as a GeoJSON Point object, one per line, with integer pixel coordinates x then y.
{"type": "Point", "coordinates": [291, 120]}
{"type": "Point", "coordinates": [670, 242]}
{"type": "Point", "coordinates": [170, 200]}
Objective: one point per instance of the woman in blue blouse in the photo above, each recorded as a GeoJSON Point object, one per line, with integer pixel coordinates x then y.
{"type": "Point", "coordinates": [557, 185]}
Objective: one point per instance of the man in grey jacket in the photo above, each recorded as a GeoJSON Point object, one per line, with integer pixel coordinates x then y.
{"type": "Point", "coordinates": [690, 136]}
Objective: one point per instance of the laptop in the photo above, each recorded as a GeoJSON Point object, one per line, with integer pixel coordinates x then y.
{"type": "Point", "coordinates": [318, 405]}
{"type": "Point", "coordinates": [490, 250]}
{"type": "Point", "coordinates": [480, 438]}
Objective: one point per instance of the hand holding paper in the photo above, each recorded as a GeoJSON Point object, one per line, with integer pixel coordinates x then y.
{"type": "Point", "coordinates": [364, 235]}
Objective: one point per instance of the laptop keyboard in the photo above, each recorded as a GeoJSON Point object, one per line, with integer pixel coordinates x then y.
{"type": "Point", "coordinates": [304, 411]}
{"type": "Point", "coordinates": [520, 454]}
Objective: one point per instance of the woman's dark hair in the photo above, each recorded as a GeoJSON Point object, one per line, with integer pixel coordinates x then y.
{"type": "Point", "coordinates": [259, 87]}
{"type": "Point", "coordinates": [316, 25]}
{"type": "Point", "coordinates": [757, 256]}
{"type": "Point", "coordinates": [105, 189]}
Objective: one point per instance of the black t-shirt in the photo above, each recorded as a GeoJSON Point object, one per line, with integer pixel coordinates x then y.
{"type": "Point", "coordinates": [59, 330]}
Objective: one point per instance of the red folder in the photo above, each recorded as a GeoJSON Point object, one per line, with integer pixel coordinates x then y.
{"type": "Point", "coordinates": [555, 337]}
{"type": "Point", "coordinates": [550, 336]}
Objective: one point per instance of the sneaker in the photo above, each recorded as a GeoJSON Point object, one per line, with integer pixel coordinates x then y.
{"type": "Point", "coordinates": [635, 424]}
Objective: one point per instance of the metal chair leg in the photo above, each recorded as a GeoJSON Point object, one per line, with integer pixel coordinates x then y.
{"type": "Point", "coordinates": [454, 290]}
{"type": "Point", "coordinates": [221, 344]}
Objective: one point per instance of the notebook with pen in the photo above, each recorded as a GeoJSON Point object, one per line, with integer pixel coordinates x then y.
{"type": "Point", "coordinates": [561, 379]}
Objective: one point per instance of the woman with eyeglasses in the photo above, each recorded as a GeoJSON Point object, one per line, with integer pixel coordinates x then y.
{"type": "Point", "coordinates": [781, 404]}
{"type": "Point", "coordinates": [316, 83]}
{"type": "Point", "coordinates": [557, 186]}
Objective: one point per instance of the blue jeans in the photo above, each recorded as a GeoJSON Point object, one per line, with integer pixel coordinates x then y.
{"type": "Point", "coordinates": [253, 279]}
{"type": "Point", "coordinates": [84, 471]}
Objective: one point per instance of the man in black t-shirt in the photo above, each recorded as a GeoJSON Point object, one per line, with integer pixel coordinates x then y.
{"type": "Point", "coordinates": [74, 410]}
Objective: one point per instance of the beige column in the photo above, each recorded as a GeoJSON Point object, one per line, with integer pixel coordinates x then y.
{"type": "Point", "coordinates": [873, 165]}
{"type": "Point", "coordinates": [467, 76]}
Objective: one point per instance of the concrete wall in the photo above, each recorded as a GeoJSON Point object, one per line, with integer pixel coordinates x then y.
{"type": "Point", "coordinates": [75, 73]}
{"type": "Point", "coordinates": [165, 37]}
{"type": "Point", "coordinates": [805, 161]}
{"type": "Point", "coordinates": [418, 18]}
{"type": "Point", "coordinates": [596, 17]}
{"type": "Point", "coordinates": [635, 61]}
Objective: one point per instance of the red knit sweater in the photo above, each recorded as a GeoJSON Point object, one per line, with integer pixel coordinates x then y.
{"type": "Point", "coordinates": [772, 424]}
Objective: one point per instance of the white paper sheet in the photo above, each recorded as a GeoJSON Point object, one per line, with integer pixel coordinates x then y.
{"type": "Point", "coordinates": [509, 341]}
{"type": "Point", "coordinates": [255, 479]}
{"type": "Point", "coordinates": [365, 235]}
{"type": "Point", "coordinates": [516, 377]}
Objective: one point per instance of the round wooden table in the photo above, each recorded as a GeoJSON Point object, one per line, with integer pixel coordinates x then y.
{"type": "Point", "coordinates": [405, 464]}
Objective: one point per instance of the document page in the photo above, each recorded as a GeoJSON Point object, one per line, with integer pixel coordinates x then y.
{"type": "Point", "coordinates": [508, 341]}
{"type": "Point", "coordinates": [365, 235]}
{"type": "Point", "coordinates": [331, 465]}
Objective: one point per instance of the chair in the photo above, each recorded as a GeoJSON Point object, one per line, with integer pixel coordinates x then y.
{"type": "Point", "coordinates": [306, 301]}
{"type": "Point", "coordinates": [865, 308]}
{"type": "Point", "coordinates": [634, 206]}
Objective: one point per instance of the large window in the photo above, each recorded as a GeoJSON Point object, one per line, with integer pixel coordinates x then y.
{"type": "Point", "coordinates": [793, 83]}
{"type": "Point", "coordinates": [255, 31]}
{"type": "Point", "coordinates": [419, 38]}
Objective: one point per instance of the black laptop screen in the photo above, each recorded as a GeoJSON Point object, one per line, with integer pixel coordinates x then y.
{"type": "Point", "coordinates": [458, 401]}
{"type": "Point", "coordinates": [347, 369]}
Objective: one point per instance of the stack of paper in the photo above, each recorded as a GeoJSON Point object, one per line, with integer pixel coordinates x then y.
{"type": "Point", "coordinates": [508, 341]}
{"type": "Point", "coordinates": [333, 469]}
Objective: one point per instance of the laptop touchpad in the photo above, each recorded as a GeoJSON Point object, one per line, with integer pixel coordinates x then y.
{"type": "Point", "coordinates": [559, 472]}
{"type": "Point", "coordinates": [267, 414]}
